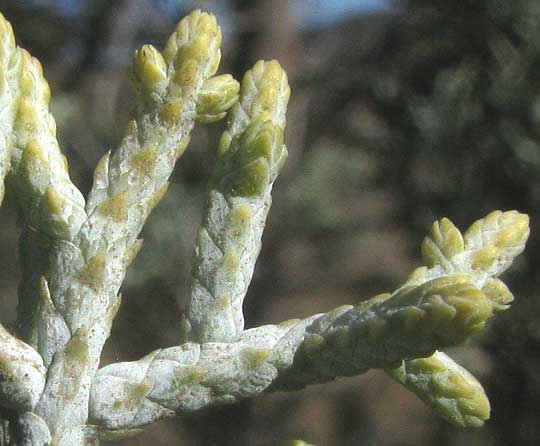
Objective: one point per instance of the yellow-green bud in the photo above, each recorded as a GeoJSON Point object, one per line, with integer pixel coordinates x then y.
{"type": "Point", "coordinates": [443, 242]}
{"type": "Point", "coordinates": [182, 46]}
{"type": "Point", "coordinates": [218, 94]}
{"type": "Point", "coordinates": [150, 70]}
{"type": "Point", "coordinates": [493, 242]}
{"type": "Point", "coordinates": [447, 387]}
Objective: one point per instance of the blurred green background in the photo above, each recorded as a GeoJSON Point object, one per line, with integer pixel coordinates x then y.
{"type": "Point", "coordinates": [402, 112]}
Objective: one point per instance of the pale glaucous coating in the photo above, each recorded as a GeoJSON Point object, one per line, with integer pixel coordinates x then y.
{"type": "Point", "coordinates": [75, 255]}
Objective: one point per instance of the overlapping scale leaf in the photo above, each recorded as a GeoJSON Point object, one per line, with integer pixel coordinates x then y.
{"type": "Point", "coordinates": [499, 294]}
{"type": "Point", "coordinates": [253, 161]}
{"type": "Point", "coordinates": [451, 305]}
{"type": "Point", "coordinates": [442, 244]}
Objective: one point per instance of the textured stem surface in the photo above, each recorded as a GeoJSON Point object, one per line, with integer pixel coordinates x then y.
{"type": "Point", "coordinates": [433, 309]}
{"type": "Point", "coordinates": [127, 186]}
{"type": "Point", "coordinates": [228, 243]}
{"type": "Point", "coordinates": [344, 342]}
